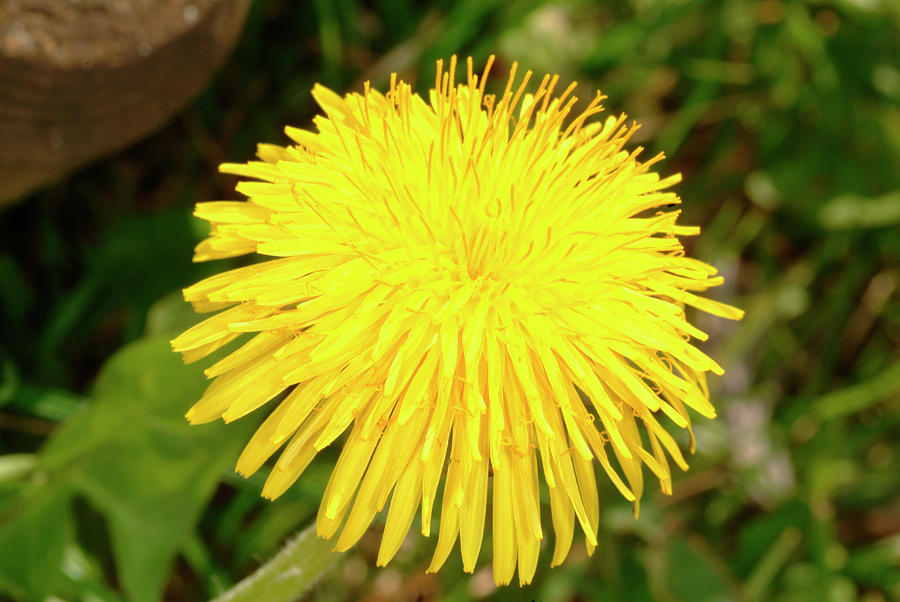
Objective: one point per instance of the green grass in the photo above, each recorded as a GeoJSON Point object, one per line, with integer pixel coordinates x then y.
{"type": "Point", "coordinates": [783, 117]}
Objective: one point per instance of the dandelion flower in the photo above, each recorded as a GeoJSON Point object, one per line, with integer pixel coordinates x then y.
{"type": "Point", "coordinates": [485, 289]}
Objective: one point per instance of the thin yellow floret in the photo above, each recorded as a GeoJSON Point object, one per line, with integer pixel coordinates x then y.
{"type": "Point", "coordinates": [485, 291]}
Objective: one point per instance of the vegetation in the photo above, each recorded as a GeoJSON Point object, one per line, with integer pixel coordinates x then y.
{"type": "Point", "coordinates": [782, 115]}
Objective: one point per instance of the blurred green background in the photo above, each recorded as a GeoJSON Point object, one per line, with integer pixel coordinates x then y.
{"type": "Point", "coordinates": [783, 116]}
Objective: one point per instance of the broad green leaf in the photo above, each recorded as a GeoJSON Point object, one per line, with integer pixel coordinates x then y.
{"type": "Point", "coordinates": [135, 458]}
{"type": "Point", "coordinates": [31, 547]}
{"type": "Point", "coordinates": [83, 579]}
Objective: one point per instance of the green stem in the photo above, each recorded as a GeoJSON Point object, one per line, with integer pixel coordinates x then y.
{"type": "Point", "coordinates": [289, 574]}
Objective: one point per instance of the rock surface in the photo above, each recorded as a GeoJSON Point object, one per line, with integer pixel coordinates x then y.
{"type": "Point", "coordinates": [83, 78]}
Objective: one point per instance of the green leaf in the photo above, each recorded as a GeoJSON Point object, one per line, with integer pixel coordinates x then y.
{"type": "Point", "coordinates": [876, 564]}
{"type": "Point", "coordinates": [694, 572]}
{"type": "Point", "coordinates": [47, 403]}
{"type": "Point", "coordinates": [16, 466]}
{"type": "Point", "coordinates": [754, 541]}
{"type": "Point", "coordinates": [851, 211]}
{"type": "Point", "coordinates": [856, 398]}
{"type": "Point", "coordinates": [170, 314]}
{"type": "Point", "coordinates": [83, 579]}
{"type": "Point", "coordinates": [32, 547]}
{"type": "Point", "coordinates": [120, 273]}
{"type": "Point", "coordinates": [135, 458]}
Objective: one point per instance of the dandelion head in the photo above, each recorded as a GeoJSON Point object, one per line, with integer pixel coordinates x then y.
{"type": "Point", "coordinates": [484, 292]}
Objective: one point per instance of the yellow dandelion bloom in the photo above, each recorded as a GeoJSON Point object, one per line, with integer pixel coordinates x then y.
{"type": "Point", "coordinates": [484, 288]}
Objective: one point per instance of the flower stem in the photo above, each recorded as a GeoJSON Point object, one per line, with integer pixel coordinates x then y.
{"type": "Point", "coordinates": [289, 574]}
